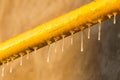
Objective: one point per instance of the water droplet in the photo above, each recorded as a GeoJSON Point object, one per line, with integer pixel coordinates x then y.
{"type": "Point", "coordinates": [81, 41]}
{"type": "Point", "coordinates": [114, 18]}
{"type": "Point", "coordinates": [63, 44]}
{"type": "Point", "coordinates": [3, 70]}
{"type": "Point", "coordinates": [99, 29]}
{"type": "Point", "coordinates": [21, 63]}
{"type": "Point", "coordinates": [11, 69]}
{"type": "Point", "coordinates": [89, 32]}
{"type": "Point", "coordinates": [48, 55]}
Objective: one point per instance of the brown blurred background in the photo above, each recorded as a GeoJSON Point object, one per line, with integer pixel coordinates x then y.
{"type": "Point", "coordinates": [99, 61]}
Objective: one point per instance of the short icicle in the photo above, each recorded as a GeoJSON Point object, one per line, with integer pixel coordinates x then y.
{"type": "Point", "coordinates": [28, 54]}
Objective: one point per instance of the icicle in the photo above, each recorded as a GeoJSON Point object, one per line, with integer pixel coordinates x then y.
{"type": "Point", "coordinates": [99, 29]}
{"type": "Point", "coordinates": [7, 62]}
{"type": "Point", "coordinates": [71, 39]}
{"type": "Point", "coordinates": [89, 30]}
{"type": "Point", "coordinates": [35, 49]}
{"type": "Point", "coordinates": [55, 49]}
{"type": "Point", "coordinates": [114, 20]}
{"type": "Point", "coordinates": [89, 33]}
{"type": "Point", "coordinates": [27, 55]}
{"type": "Point", "coordinates": [81, 41]}
{"type": "Point", "coordinates": [63, 43]}
{"type": "Point", "coordinates": [48, 54]}
{"type": "Point", "coordinates": [109, 16]}
{"type": "Point", "coordinates": [21, 63]}
{"type": "Point", "coordinates": [3, 70]}
{"type": "Point", "coordinates": [11, 69]}
{"type": "Point", "coordinates": [55, 46]}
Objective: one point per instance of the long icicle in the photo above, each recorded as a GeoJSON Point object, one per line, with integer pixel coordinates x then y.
{"type": "Point", "coordinates": [71, 39]}
{"type": "Point", "coordinates": [11, 69]}
{"type": "Point", "coordinates": [11, 66]}
{"type": "Point", "coordinates": [82, 41]}
{"type": "Point", "coordinates": [114, 17]}
{"type": "Point", "coordinates": [48, 54]}
{"type": "Point", "coordinates": [55, 49]}
{"type": "Point", "coordinates": [63, 43]}
{"type": "Point", "coordinates": [21, 57]}
{"type": "Point", "coordinates": [3, 70]}
{"type": "Point", "coordinates": [89, 33]}
{"type": "Point", "coordinates": [99, 30]}
{"type": "Point", "coordinates": [89, 30]}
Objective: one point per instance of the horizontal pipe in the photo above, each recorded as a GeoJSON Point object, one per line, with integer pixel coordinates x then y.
{"type": "Point", "coordinates": [51, 31]}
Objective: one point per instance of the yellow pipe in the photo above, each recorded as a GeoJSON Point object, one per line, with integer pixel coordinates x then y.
{"type": "Point", "coordinates": [71, 22]}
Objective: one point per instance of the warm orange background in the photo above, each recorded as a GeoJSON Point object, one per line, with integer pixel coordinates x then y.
{"type": "Point", "coordinates": [17, 16]}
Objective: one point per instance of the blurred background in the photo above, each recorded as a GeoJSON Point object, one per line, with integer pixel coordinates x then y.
{"type": "Point", "coordinates": [98, 61]}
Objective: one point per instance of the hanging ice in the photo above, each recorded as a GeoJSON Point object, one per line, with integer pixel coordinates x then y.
{"type": "Point", "coordinates": [48, 54]}
{"type": "Point", "coordinates": [99, 29]}
{"type": "Point", "coordinates": [81, 41]}
{"type": "Point", "coordinates": [89, 33]}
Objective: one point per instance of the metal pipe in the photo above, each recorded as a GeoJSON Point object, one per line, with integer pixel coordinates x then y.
{"type": "Point", "coordinates": [51, 31]}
